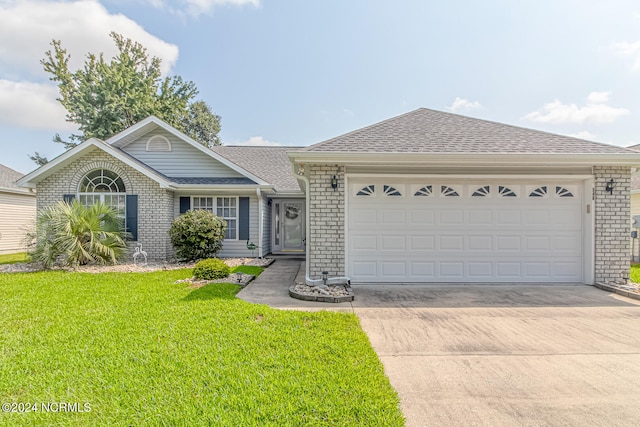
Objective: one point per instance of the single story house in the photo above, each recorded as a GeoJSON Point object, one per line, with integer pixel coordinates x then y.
{"type": "Point", "coordinates": [426, 196]}
{"type": "Point", "coordinates": [17, 212]}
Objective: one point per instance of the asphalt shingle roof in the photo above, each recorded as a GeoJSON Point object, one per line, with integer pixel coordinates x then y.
{"type": "Point", "coordinates": [430, 131]}
{"type": "Point", "coordinates": [8, 177]}
{"type": "Point", "coordinates": [268, 163]}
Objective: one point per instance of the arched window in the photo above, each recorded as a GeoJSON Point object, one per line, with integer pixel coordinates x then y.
{"type": "Point", "coordinates": [105, 186]}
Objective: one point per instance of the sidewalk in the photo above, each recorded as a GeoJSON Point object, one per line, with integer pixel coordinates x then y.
{"type": "Point", "coordinates": [272, 288]}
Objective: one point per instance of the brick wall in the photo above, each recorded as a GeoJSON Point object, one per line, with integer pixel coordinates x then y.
{"type": "Point", "coordinates": [325, 241]}
{"type": "Point", "coordinates": [612, 212]}
{"type": "Point", "coordinates": [155, 205]}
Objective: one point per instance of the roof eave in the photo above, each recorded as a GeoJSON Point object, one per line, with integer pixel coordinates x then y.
{"type": "Point", "coordinates": [461, 159]}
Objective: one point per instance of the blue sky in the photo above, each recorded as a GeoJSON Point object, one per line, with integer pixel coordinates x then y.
{"type": "Point", "coordinates": [298, 72]}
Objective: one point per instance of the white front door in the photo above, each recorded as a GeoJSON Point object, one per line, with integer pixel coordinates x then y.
{"type": "Point", "coordinates": [288, 226]}
{"type": "Point", "coordinates": [438, 230]}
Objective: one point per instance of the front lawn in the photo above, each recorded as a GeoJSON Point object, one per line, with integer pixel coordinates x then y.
{"type": "Point", "coordinates": [13, 258]}
{"type": "Point", "coordinates": [139, 349]}
{"type": "Point", "coordinates": [634, 273]}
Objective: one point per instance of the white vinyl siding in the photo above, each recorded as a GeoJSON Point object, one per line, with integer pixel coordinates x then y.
{"type": "Point", "coordinates": [182, 161]}
{"type": "Point", "coordinates": [17, 218]}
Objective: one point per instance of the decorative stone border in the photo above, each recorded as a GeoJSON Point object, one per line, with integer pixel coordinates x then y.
{"type": "Point", "coordinates": [322, 298]}
{"type": "Point", "coordinates": [628, 294]}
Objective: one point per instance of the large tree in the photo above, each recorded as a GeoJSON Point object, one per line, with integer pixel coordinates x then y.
{"type": "Point", "coordinates": [104, 98]}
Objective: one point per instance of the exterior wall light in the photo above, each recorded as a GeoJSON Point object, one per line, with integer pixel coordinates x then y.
{"type": "Point", "coordinates": [611, 184]}
{"type": "Point", "coordinates": [334, 182]}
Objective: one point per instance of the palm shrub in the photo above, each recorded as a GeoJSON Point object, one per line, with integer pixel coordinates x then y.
{"type": "Point", "coordinates": [72, 234]}
{"type": "Point", "coordinates": [197, 234]}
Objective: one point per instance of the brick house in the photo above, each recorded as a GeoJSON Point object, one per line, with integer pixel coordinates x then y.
{"type": "Point", "coordinates": [423, 197]}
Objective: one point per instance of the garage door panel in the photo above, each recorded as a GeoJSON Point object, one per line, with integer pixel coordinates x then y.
{"type": "Point", "coordinates": [480, 243]}
{"type": "Point", "coordinates": [480, 217]}
{"type": "Point", "coordinates": [479, 270]}
{"type": "Point", "coordinates": [393, 243]}
{"type": "Point", "coordinates": [451, 269]}
{"type": "Point", "coordinates": [364, 242]}
{"type": "Point", "coordinates": [422, 270]}
{"type": "Point", "coordinates": [422, 243]}
{"type": "Point", "coordinates": [508, 243]}
{"type": "Point", "coordinates": [501, 235]}
{"type": "Point", "coordinates": [421, 217]}
{"type": "Point", "coordinates": [451, 243]}
{"type": "Point", "coordinates": [392, 217]}
{"type": "Point", "coordinates": [451, 217]}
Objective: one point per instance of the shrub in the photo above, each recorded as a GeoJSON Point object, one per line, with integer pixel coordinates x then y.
{"type": "Point", "coordinates": [73, 234]}
{"type": "Point", "coordinates": [211, 269]}
{"type": "Point", "coordinates": [197, 235]}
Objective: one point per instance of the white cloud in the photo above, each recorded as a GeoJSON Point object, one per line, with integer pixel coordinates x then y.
{"type": "Point", "coordinates": [631, 50]}
{"type": "Point", "coordinates": [595, 111]}
{"type": "Point", "coordinates": [26, 30]}
{"type": "Point", "coordinates": [461, 104]}
{"type": "Point", "coordinates": [198, 7]}
{"type": "Point", "coordinates": [32, 105]}
{"type": "Point", "coordinates": [27, 27]}
{"type": "Point", "coordinates": [259, 141]}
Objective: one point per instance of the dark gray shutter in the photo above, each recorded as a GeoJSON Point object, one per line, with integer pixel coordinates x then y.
{"type": "Point", "coordinates": [68, 198]}
{"type": "Point", "coordinates": [243, 218]}
{"type": "Point", "coordinates": [185, 204]}
{"type": "Point", "coordinates": [132, 216]}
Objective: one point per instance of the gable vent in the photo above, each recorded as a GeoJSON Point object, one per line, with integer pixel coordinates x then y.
{"type": "Point", "coordinates": [158, 143]}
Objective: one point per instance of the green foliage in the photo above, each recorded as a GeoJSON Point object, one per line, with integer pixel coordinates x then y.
{"type": "Point", "coordinates": [143, 350]}
{"type": "Point", "coordinates": [211, 269]}
{"type": "Point", "coordinates": [201, 124]}
{"type": "Point", "coordinates": [197, 234]}
{"type": "Point", "coordinates": [104, 98]}
{"type": "Point", "coordinates": [73, 234]}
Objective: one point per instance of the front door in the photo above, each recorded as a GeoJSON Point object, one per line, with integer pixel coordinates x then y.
{"type": "Point", "coordinates": [288, 226]}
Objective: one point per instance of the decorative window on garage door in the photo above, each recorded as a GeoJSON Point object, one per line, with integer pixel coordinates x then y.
{"type": "Point", "coordinates": [391, 191]}
{"type": "Point", "coordinates": [563, 192]}
{"type": "Point", "coordinates": [369, 190]}
{"type": "Point", "coordinates": [539, 192]}
{"type": "Point", "coordinates": [506, 191]}
{"type": "Point", "coordinates": [482, 191]}
{"type": "Point", "coordinates": [425, 191]}
{"type": "Point", "coordinates": [447, 191]}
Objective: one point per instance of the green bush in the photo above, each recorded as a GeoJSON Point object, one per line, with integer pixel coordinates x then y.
{"type": "Point", "coordinates": [211, 269]}
{"type": "Point", "coordinates": [197, 235]}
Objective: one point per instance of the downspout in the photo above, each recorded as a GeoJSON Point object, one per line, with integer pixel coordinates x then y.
{"type": "Point", "coordinates": [309, 281]}
{"type": "Point", "coordinates": [260, 221]}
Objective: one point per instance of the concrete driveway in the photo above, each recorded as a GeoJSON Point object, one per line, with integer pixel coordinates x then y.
{"type": "Point", "coordinates": [507, 355]}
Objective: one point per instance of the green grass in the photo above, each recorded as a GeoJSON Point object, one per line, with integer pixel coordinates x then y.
{"type": "Point", "coordinates": [13, 258]}
{"type": "Point", "coordinates": [142, 350]}
{"type": "Point", "coordinates": [634, 273]}
{"type": "Point", "coordinates": [248, 269]}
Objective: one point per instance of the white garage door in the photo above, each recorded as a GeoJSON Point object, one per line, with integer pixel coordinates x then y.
{"type": "Point", "coordinates": [401, 231]}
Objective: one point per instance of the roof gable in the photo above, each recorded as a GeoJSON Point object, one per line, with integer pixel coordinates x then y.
{"type": "Point", "coordinates": [135, 133]}
{"type": "Point", "coordinates": [430, 131]}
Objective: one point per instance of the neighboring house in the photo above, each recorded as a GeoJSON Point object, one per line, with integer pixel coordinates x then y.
{"type": "Point", "coordinates": [17, 212]}
{"type": "Point", "coordinates": [423, 197]}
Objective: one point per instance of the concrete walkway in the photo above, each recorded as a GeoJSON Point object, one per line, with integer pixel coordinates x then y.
{"type": "Point", "coordinates": [495, 355]}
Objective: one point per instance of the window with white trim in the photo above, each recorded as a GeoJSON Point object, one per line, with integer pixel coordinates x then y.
{"type": "Point", "coordinates": [103, 185]}
{"type": "Point", "coordinates": [224, 207]}
{"type": "Point", "coordinates": [227, 208]}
